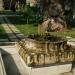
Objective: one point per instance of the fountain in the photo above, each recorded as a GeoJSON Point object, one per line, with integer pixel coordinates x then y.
{"type": "Point", "coordinates": [46, 51]}
{"type": "Point", "coordinates": [46, 54]}
{"type": "Point", "coordinates": [40, 50]}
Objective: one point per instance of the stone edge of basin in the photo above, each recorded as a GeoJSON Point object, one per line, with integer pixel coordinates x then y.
{"type": "Point", "coordinates": [61, 39]}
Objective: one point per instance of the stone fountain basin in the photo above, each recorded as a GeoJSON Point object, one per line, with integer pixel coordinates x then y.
{"type": "Point", "coordinates": [38, 51]}
{"type": "Point", "coordinates": [44, 43]}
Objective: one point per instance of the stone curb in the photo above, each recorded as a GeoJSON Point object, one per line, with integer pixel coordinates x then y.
{"type": "Point", "coordinates": [2, 68]}
{"type": "Point", "coordinates": [7, 43]}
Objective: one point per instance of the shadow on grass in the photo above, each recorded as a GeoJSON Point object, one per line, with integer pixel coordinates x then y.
{"type": "Point", "coordinates": [2, 32]}
{"type": "Point", "coordinates": [3, 35]}
{"type": "Point", "coordinates": [21, 20]}
{"type": "Point", "coordinates": [18, 19]}
{"type": "Point", "coordinates": [9, 12]}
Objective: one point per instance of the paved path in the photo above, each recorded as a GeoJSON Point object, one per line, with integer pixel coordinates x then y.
{"type": "Point", "coordinates": [13, 62]}
{"type": "Point", "coordinates": [7, 30]}
{"type": "Point", "coordinates": [12, 32]}
{"type": "Point", "coordinates": [2, 23]}
{"type": "Point", "coordinates": [14, 29]}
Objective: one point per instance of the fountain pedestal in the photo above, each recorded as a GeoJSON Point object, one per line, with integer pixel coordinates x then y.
{"type": "Point", "coordinates": [52, 70]}
{"type": "Point", "coordinates": [46, 55]}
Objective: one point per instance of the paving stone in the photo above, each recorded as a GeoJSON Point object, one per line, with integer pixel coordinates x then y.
{"type": "Point", "coordinates": [14, 29]}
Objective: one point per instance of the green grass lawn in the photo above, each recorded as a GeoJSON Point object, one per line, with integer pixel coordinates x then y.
{"type": "Point", "coordinates": [3, 34]}
{"type": "Point", "coordinates": [27, 29]}
{"type": "Point", "coordinates": [20, 23]}
{"type": "Point", "coordinates": [65, 33]}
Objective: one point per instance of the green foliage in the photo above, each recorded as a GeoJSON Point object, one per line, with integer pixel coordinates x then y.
{"type": "Point", "coordinates": [27, 10]}
{"type": "Point", "coordinates": [31, 15]}
{"type": "Point", "coordinates": [34, 19]}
